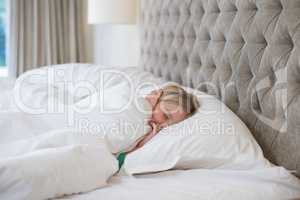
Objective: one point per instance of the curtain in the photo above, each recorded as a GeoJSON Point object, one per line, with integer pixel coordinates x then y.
{"type": "Point", "coordinates": [45, 32]}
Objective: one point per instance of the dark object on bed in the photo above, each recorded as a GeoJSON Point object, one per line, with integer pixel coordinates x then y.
{"type": "Point", "coordinates": [245, 53]}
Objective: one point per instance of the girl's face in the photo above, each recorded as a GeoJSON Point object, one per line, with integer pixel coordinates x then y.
{"type": "Point", "coordinates": [164, 113]}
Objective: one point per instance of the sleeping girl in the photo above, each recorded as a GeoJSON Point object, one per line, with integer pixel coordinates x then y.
{"type": "Point", "coordinates": [170, 105]}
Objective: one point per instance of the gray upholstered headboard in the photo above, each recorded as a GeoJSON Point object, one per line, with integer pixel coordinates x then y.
{"type": "Point", "coordinates": [246, 52]}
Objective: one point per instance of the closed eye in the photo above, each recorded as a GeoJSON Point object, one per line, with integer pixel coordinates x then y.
{"type": "Point", "coordinates": [167, 116]}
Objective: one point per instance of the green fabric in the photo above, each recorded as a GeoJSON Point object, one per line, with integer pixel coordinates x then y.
{"type": "Point", "coordinates": [121, 158]}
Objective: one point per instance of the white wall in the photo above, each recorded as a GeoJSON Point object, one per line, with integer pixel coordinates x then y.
{"type": "Point", "coordinates": [116, 45]}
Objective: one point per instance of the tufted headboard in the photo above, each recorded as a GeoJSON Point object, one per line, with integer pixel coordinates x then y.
{"type": "Point", "coordinates": [246, 52]}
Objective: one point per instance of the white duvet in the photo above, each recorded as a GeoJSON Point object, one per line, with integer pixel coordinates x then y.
{"type": "Point", "coordinates": [40, 157]}
{"type": "Point", "coordinates": [86, 98]}
{"type": "Point", "coordinates": [56, 140]}
{"type": "Point", "coordinates": [55, 172]}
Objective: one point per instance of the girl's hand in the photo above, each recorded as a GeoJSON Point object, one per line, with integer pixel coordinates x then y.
{"type": "Point", "coordinates": [155, 127]}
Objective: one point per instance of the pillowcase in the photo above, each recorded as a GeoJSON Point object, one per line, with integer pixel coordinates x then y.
{"type": "Point", "coordinates": [55, 172]}
{"type": "Point", "coordinates": [212, 138]}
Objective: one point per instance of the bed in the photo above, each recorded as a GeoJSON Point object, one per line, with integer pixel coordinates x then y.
{"type": "Point", "coordinates": [269, 183]}
{"type": "Point", "coordinates": [246, 53]}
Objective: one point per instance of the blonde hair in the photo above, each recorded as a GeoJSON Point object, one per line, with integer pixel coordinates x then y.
{"type": "Point", "coordinates": [178, 96]}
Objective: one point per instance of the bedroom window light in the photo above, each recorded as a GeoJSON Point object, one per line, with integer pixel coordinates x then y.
{"type": "Point", "coordinates": [3, 28]}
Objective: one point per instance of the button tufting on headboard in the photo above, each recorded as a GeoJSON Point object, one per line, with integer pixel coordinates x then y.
{"type": "Point", "coordinates": [247, 53]}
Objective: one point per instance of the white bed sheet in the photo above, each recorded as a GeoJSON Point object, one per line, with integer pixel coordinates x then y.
{"type": "Point", "coordinates": [268, 184]}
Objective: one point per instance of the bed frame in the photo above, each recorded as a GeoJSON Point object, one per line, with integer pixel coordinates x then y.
{"type": "Point", "coordinates": [245, 52]}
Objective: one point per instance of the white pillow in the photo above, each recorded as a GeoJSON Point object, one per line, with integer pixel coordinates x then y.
{"type": "Point", "coordinates": [213, 138]}
{"type": "Point", "coordinates": [55, 172]}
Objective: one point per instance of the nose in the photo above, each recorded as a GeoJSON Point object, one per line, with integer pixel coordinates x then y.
{"type": "Point", "coordinates": [153, 118]}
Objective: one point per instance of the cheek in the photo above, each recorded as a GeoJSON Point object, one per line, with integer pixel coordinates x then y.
{"type": "Point", "coordinates": [158, 117]}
